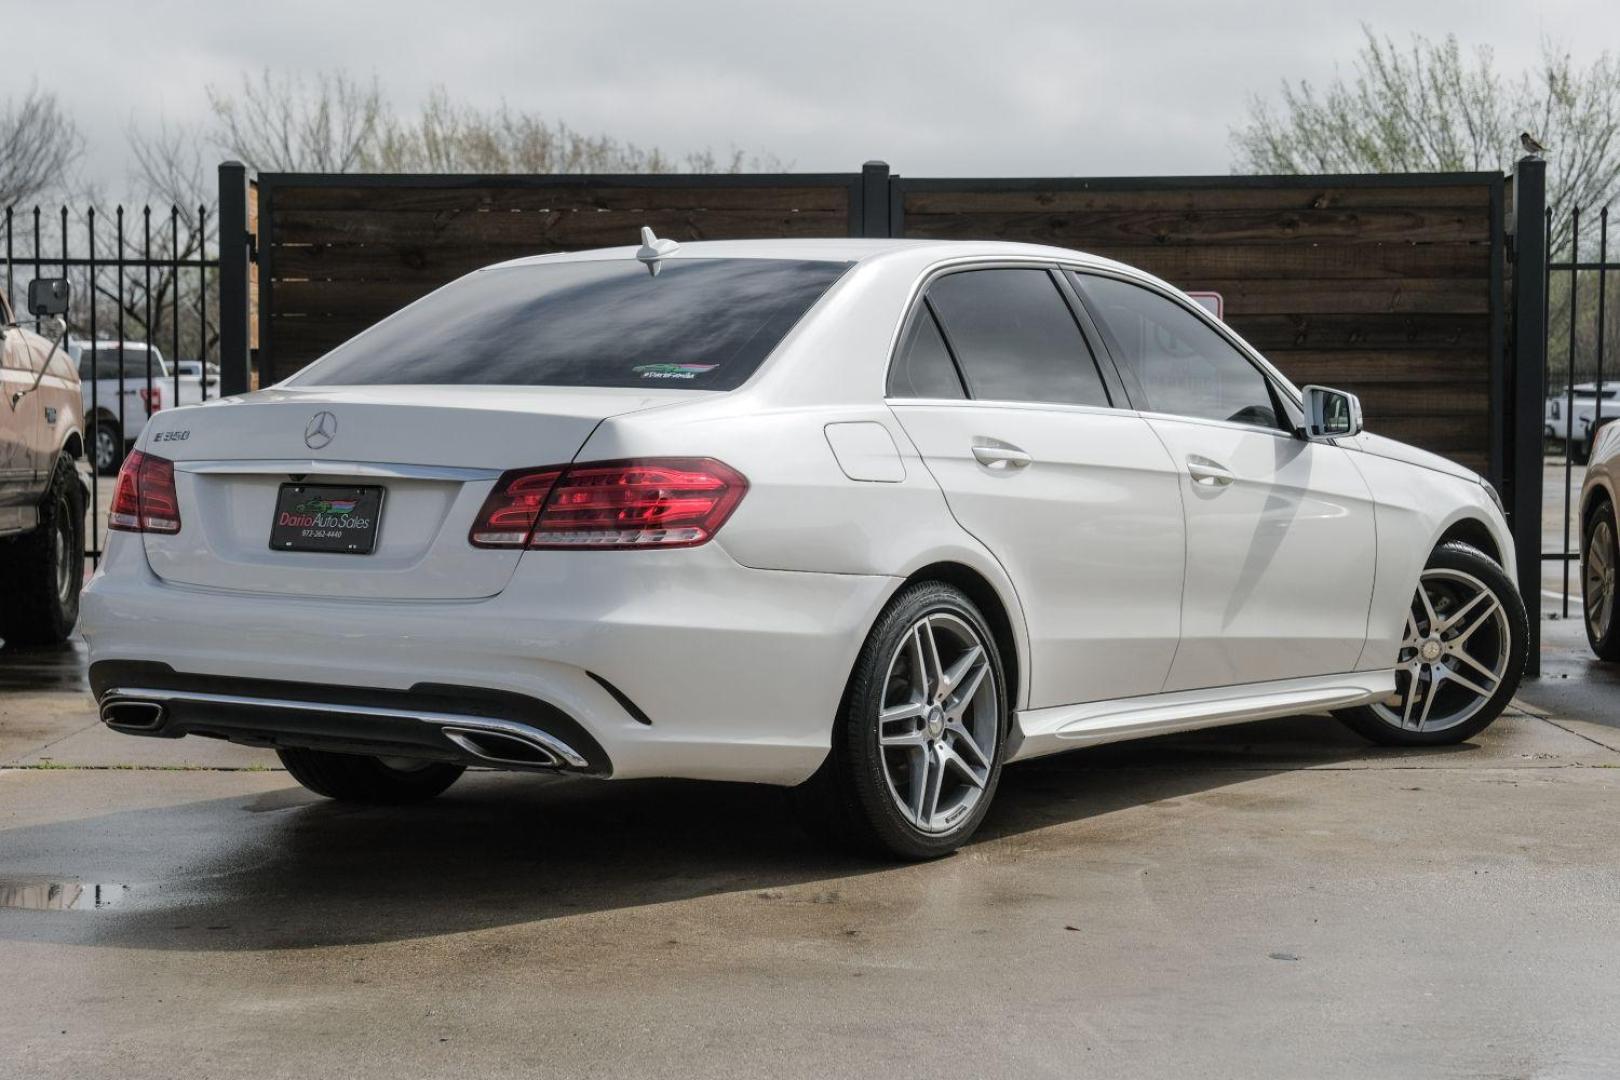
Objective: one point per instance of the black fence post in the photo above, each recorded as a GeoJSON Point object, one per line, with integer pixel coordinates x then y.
{"type": "Point", "coordinates": [875, 199]}
{"type": "Point", "coordinates": [1528, 378]}
{"type": "Point", "coordinates": [235, 257]}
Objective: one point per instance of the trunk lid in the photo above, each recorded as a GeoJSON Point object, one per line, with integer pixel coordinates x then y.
{"type": "Point", "coordinates": [435, 450]}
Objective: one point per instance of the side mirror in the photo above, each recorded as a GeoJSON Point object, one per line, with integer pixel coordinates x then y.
{"type": "Point", "coordinates": [1330, 414]}
{"type": "Point", "coordinates": [48, 296]}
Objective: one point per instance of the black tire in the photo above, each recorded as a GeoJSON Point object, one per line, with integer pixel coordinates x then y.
{"type": "Point", "coordinates": [849, 800]}
{"type": "Point", "coordinates": [1366, 721]}
{"type": "Point", "coordinates": [1580, 450]}
{"type": "Point", "coordinates": [355, 778]}
{"type": "Point", "coordinates": [1605, 640]}
{"type": "Point", "coordinates": [42, 571]}
{"type": "Point", "coordinates": [107, 446]}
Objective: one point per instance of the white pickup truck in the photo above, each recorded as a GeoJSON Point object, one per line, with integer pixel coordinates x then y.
{"type": "Point", "coordinates": [118, 409]}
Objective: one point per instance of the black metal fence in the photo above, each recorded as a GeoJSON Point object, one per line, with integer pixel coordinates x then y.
{"type": "Point", "coordinates": [142, 324]}
{"type": "Point", "coordinates": [1583, 328]}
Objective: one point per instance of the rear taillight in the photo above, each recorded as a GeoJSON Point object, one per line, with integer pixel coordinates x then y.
{"type": "Point", "coordinates": [145, 499]}
{"type": "Point", "coordinates": [152, 398]}
{"type": "Point", "coordinates": [640, 503]}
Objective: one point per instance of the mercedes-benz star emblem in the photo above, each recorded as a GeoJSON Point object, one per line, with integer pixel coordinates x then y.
{"type": "Point", "coordinates": [322, 427]}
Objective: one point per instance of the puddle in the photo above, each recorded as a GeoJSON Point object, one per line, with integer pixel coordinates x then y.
{"type": "Point", "coordinates": [60, 895]}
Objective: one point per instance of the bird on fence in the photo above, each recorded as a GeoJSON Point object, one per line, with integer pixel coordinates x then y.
{"type": "Point", "coordinates": [1531, 146]}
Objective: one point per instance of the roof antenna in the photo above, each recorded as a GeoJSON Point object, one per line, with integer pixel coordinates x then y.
{"type": "Point", "coordinates": [653, 249]}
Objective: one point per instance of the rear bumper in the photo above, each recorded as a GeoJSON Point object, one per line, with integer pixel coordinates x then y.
{"type": "Point", "coordinates": [653, 663]}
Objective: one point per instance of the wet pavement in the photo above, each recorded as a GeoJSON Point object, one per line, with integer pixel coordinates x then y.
{"type": "Point", "coordinates": [1272, 899]}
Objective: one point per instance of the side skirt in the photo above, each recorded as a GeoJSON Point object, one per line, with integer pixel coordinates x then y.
{"type": "Point", "coordinates": [1069, 727]}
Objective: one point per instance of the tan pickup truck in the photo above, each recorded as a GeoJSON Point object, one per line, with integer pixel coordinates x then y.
{"type": "Point", "coordinates": [42, 495]}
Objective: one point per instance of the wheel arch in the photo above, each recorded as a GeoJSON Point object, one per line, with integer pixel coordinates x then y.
{"type": "Point", "coordinates": [1590, 501]}
{"type": "Point", "coordinates": [1475, 533]}
{"type": "Point", "coordinates": [1004, 616]}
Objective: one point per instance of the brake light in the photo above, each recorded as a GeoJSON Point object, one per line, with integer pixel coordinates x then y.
{"type": "Point", "coordinates": [637, 503]}
{"type": "Point", "coordinates": [145, 499]}
{"type": "Point", "coordinates": [151, 397]}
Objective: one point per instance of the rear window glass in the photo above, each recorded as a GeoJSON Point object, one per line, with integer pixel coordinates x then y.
{"type": "Point", "coordinates": [701, 324]}
{"type": "Point", "coordinates": [105, 363]}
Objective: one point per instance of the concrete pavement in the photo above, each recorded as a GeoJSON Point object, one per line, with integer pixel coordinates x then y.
{"type": "Point", "coordinates": [1271, 900]}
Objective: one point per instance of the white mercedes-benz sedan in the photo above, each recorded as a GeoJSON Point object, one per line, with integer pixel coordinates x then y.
{"type": "Point", "coordinates": [867, 518]}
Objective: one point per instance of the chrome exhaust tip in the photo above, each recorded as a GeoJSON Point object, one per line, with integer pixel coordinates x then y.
{"type": "Point", "coordinates": [500, 748]}
{"type": "Point", "coordinates": [133, 715]}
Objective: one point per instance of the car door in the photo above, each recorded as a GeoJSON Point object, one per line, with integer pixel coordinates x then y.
{"type": "Point", "coordinates": [1280, 534]}
{"type": "Point", "coordinates": [19, 424]}
{"type": "Point", "coordinates": [996, 386]}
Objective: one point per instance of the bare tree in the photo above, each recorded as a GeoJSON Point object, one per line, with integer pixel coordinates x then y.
{"type": "Point", "coordinates": [445, 137]}
{"type": "Point", "coordinates": [296, 123]}
{"type": "Point", "coordinates": [38, 144]}
{"type": "Point", "coordinates": [1433, 107]}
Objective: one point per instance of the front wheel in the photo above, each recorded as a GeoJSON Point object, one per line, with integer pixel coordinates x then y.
{"type": "Point", "coordinates": [1461, 657]}
{"type": "Point", "coordinates": [42, 571]}
{"type": "Point", "coordinates": [359, 779]}
{"type": "Point", "coordinates": [1599, 559]}
{"type": "Point", "coordinates": [917, 749]}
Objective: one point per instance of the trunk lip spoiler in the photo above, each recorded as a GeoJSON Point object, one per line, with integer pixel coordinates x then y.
{"type": "Point", "coordinates": [311, 467]}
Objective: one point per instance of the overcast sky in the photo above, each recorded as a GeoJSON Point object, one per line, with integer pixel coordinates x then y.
{"type": "Point", "coordinates": [1029, 87]}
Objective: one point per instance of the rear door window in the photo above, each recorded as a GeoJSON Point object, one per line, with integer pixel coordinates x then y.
{"type": "Point", "coordinates": [923, 367]}
{"type": "Point", "coordinates": [1015, 337]}
{"type": "Point", "coordinates": [702, 324]}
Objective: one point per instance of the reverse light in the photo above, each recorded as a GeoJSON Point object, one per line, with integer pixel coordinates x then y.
{"type": "Point", "coordinates": [151, 397]}
{"type": "Point", "coordinates": [144, 499]}
{"type": "Point", "coordinates": [635, 503]}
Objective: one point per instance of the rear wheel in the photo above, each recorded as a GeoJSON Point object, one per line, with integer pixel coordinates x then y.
{"type": "Point", "coordinates": [916, 753]}
{"type": "Point", "coordinates": [360, 779]}
{"type": "Point", "coordinates": [1599, 560]}
{"type": "Point", "coordinates": [1461, 657]}
{"type": "Point", "coordinates": [42, 571]}
{"type": "Point", "coordinates": [106, 445]}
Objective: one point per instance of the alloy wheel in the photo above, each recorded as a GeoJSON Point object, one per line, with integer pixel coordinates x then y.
{"type": "Point", "coordinates": [939, 722]}
{"type": "Point", "coordinates": [106, 448]}
{"type": "Point", "coordinates": [1454, 654]}
{"type": "Point", "coordinates": [62, 551]}
{"type": "Point", "coordinates": [1599, 579]}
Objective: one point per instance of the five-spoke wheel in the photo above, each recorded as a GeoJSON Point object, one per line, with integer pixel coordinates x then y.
{"type": "Point", "coordinates": [938, 727]}
{"type": "Point", "coordinates": [1460, 658]}
{"type": "Point", "coordinates": [917, 753]}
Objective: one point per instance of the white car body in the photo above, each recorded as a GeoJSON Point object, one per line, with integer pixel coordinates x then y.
{"type": "Point", "coordinates": [1138, 592]}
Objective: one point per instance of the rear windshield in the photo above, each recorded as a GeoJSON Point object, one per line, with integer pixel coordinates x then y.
{"type": "Point", "coordinates": [105, 361]}
{"type": "Point", "coordinates": [702, 324]}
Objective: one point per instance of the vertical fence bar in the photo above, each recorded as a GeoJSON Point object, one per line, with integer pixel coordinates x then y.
{"type": "Point", "coordinates": [202, 293]}
{"type": "Point", "coordinates": [1603, 288]}
{"type": "Point", "coordinates": [95, 420]}
{"type": "Point", "coordinates": [1529, 376]}
{"type": "Point", "coordinates": [1569, 420]}
{"type": "Point", "coordinates": [174, 299]}
{"type": "Point", "coordinates": [152, 393]}
{"type": "Point", "coordinates": [118, 353]}
{"type": "Point", "coordinates": [234, 258]}
{"type": "Point", "coordinates": [11, 290]}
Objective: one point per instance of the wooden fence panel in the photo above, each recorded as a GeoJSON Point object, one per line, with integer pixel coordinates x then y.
{"type": "Point", "coordinates": [1388, 286]}
{"type": "Point", "coordinates": [1385, 286]}
{"type": "Point", "coordinates": [338, 253]}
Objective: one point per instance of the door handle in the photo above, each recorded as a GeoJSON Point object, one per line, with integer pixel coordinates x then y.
{"type": "Point", "coordinates": [1208, 473]}
{"type": "Point", "coordinates": [1001, 456]}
